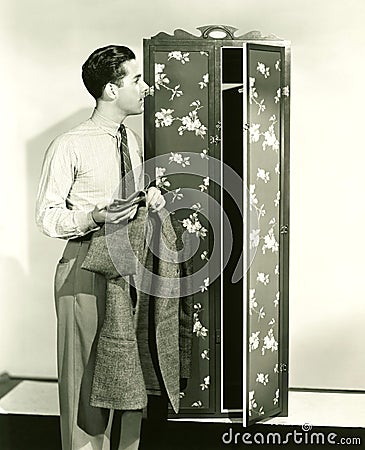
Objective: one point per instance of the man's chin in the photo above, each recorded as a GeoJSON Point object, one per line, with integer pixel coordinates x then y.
{"type": "Point", "coordinates": [136, 112]}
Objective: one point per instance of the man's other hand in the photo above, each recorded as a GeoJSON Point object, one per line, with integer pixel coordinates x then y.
{"type": "Point", "coordinates": [154, 199]}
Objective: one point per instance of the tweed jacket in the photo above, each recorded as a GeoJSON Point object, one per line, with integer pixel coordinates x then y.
{"type": "Point", "coordinates": [118, 381]}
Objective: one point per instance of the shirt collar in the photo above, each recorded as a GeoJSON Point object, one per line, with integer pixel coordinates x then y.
{"type": "Point", "coordinates": [105, 123]}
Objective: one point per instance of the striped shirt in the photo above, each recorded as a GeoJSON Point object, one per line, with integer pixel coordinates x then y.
{"type": "Point", "coordinates": [82, 168]}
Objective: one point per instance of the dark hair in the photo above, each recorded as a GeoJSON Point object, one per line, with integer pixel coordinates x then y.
{"type": "Point", "coordinates": [103, 66]}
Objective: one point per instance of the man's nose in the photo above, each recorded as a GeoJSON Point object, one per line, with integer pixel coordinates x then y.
{"type": "Point", "coordinates": [144, 88]}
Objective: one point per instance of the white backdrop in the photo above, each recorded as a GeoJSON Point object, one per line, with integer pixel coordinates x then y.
{"type": "Point", "coordinates": [43, 44]}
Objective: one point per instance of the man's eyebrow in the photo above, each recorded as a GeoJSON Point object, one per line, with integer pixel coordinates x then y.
{"type": "Point", "coordinates": [137, 77]}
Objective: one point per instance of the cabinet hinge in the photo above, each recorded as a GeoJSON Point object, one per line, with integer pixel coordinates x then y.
{"type": "Point", "coordinates": [283, 367]}
{"type": "Point", "coordinates": [217, 336]}
{"type": "Point", "coordinates": [284, 229]}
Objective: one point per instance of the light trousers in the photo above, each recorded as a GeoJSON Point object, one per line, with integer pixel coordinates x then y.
{"type": "Point", "coordinates": [80, 304]}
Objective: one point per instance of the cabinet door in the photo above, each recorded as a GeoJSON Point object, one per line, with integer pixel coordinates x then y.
{"type": "Point", "coordinates": [178, 124]}
{"type": "Point", "coordinates": [267, 267]}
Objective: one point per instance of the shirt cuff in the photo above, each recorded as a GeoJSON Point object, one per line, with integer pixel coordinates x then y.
{"type": "Point", "coordinates": [92, 223]}
{"type": "Point", "coordinates": [86, 223]}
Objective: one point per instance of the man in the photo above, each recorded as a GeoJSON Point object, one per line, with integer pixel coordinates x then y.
{"type": "Point", "coordinates": [80, 178]}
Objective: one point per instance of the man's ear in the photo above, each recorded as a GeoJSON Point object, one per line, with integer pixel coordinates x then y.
{"type": "Point", "coordinates": [110, 91]}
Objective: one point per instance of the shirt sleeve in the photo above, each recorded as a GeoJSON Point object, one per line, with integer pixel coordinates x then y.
{"type": "Point", "coordinates": [57, 177]}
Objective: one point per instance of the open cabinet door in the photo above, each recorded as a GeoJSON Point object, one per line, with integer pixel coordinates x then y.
{"type": "Point", "coordinates": [267, 233]}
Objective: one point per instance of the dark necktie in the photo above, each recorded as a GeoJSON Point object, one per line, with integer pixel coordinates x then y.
{"type": "Point", "coordinates": [127, 183]}
{"type": "Point", "coordinates": [127, 188]}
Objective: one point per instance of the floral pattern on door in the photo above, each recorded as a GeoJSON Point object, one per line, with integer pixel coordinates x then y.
{"type": "Point", "coordinates": [181, 125]}
{"type": "Point", "coordinates": [265, 95]}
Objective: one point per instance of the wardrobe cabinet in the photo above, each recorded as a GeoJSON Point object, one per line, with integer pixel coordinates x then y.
{"type": "Point", "coordinates": [217, 128]}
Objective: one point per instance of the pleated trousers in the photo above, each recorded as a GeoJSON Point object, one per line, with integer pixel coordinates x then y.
{"type": "Point", "coordinates": [80, 305]}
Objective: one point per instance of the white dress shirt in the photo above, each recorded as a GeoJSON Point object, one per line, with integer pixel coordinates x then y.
{"type": "Point", "coordinates": [82, 168]}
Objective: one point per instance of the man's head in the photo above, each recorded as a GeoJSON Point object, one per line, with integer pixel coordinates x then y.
{"type": "Point", "coordinates": [111, 74]}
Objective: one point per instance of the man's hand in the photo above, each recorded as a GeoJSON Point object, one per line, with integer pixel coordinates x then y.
{"type": "Point", "coordinates": [101, 214]}
{"type": "Point", "coordinates": [154, 199]}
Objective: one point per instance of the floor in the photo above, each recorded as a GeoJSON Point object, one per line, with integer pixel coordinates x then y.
{"type": "Point", "coordinates": [314, 408]}
{"type": "Point", "coordinates": [31, 404]}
